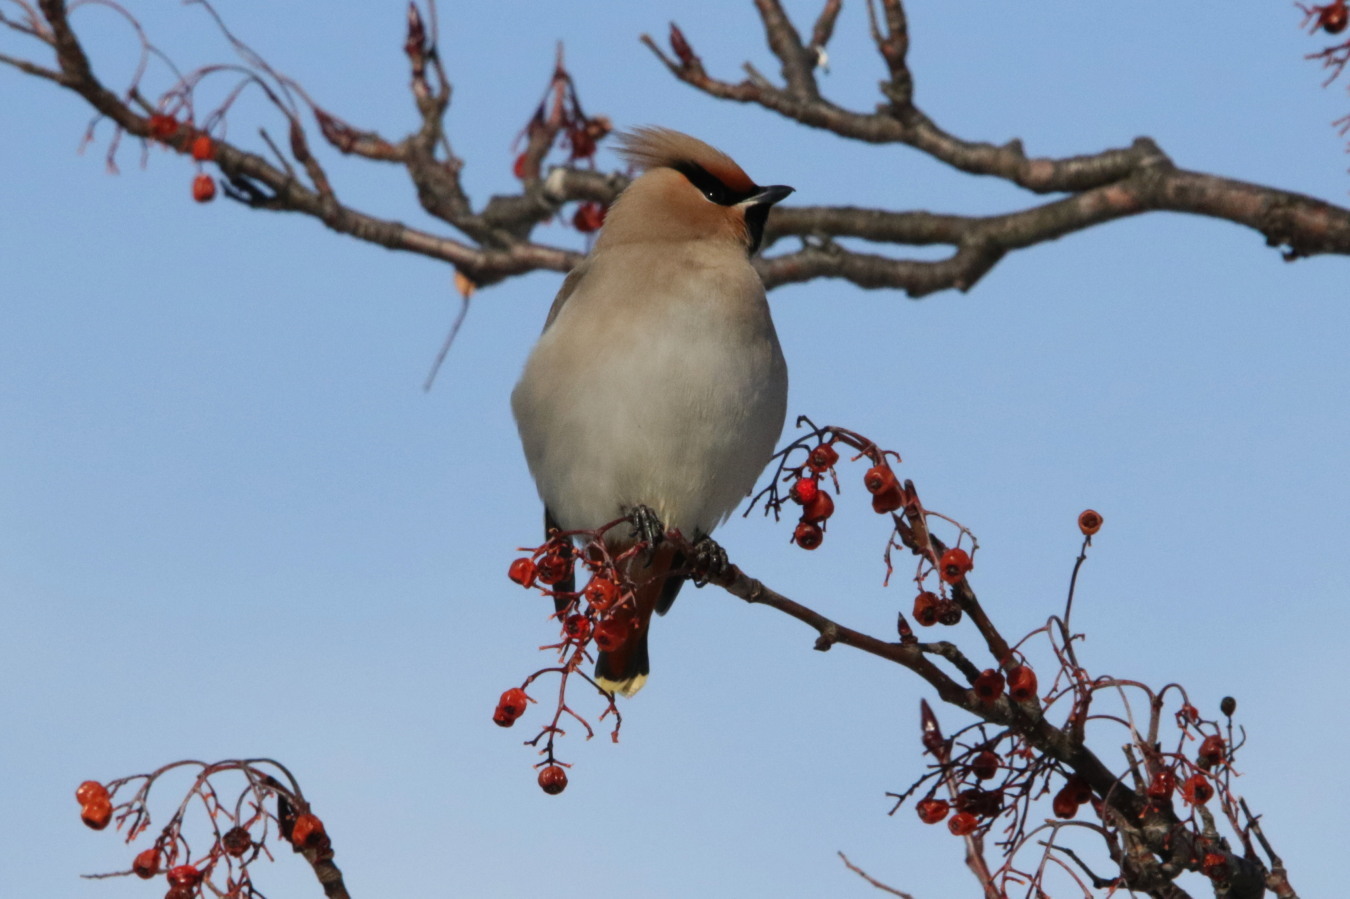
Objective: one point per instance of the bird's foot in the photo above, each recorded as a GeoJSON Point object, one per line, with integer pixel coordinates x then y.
{"type": "Point", "coordinates": [647, 529]}
{"type": "Point", "coordinates": [710, 560]}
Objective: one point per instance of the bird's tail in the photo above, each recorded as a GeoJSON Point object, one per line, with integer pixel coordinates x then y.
{"type": "Point", "coordinates": [625, 668]}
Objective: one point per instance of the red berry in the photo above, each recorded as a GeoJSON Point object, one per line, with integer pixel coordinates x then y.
{"type": "Point", "coordinates": [554, 567]}
{"type": "Point", "coordinates": [981, 803]}
{"type": "Point", "coordinates": [146, 864]}
{"type": "Point", "coordinates": [1089, 523]}
{"type": "Point", "coordinates": [926, 608]}
{"type": "Point", "coordinates": [1215, 867]}
{"type": "Point", "coordinates": [518, 167]}
{"type": "Point", "coordinates": [601, 593]}
{"type": "Point", "coordinates": [822, 458]}
{"type": "Point", "coordinates": [96, 813]}
{"type": "Point", "coordinates": [589, 217]}
{"type": "Point", "coordinates": [514, 702]}
{"type": "Point", "coordinates": [1065, 804]}
{"type": "Point", "coordinates": [988, 686]}
{"type": "Point", "coordinates": [931, 811]}
{"type": "Point", "coordinates": [962, 823]}
{"type": "Point", "coordinates": [1211, 751]}
{"type": "Point", "coordinates": [1334, 18]}
{"type": "Point", "coordinates": [89, 791]}
{"type": "Point", "coordinates": [954, 564]}
{"type": "Point", "coordinates": [163, 127]}
{"type": "Point", "coordinates": [808, 535]}
{"type": "Point", "coordinates": [1162, 784]}
{"type": "Point", "coordinates": [502, 718]}
{"type": "Point", "coordinates": [610, 634]}
{"type": "Point", "coordinates": [1078, 788]}
{"type": "Point", "coordinates": [880, 479]}
{"type": "Point", "coordinates": [203, 188]}
{"type": "Point", "coordinates": [307, 830]}
{"type": "Point", "coordinates": [203, 148]}
{"type": "Point", "coordinates": [1022, 684]}
{"type": "Point", "coordinates": [523, 572]}
{"type": "Point", "coordinates": [577, 628]}
{"type": "Point", "coordinates": [985, 765]}
{"type": "Point", "coordinates": [1197, 790]}
{"type": "Point", "coordinates": [888, 501]}
{"type": "Point", "coordinates": [804, 490]}
{"type": "Point", "coordinates": [184, 876]}
{"type": "Point", "coordinates": [819, 508]}
{"type": "Point", "coordinates": [181, 893]}
{"type": "Point", "coordinates": [236, 842]}
{"type": "Point", "coordinates": [553, 780]}
{"type": "Point", "coordinates": [948, 612]}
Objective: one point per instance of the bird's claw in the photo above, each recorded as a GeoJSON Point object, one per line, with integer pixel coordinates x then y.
{"type": "Point", "coordinates": [647, 528]}
{"type": "Point", "coordinates": [710, 560]}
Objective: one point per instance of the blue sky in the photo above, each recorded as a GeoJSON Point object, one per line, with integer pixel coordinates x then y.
{"type": "Point", "coordinates": [231, 522]}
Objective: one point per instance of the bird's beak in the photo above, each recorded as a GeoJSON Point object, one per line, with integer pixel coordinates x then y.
{"type": "Point", "coordinates": [767, 196]}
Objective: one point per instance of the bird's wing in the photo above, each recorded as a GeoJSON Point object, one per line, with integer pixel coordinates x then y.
{"type": "Point", "coordinates": [569, 286]}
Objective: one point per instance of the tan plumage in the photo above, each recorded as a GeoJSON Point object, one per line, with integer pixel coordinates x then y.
{"type": "Point", "coordinates": [658, 380]}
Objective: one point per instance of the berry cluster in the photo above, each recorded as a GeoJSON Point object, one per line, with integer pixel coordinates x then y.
{"type": "Point", "coordinates": [224, 869]}
{"type": "Point", "coordinates": [599, 616]}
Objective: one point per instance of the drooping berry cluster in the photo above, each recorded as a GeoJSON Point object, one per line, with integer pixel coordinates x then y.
{"type": "Point", "coordinates": [240, 830]}
{"type": "Point", "coordinates": [598, 617]}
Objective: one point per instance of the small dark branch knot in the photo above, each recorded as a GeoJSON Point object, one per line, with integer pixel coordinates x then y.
{"type": "Point", "coordinates": [829, 635]}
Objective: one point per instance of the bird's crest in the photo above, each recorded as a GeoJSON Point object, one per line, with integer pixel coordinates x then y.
{"type": "Point", "coordinates": [650, 147]}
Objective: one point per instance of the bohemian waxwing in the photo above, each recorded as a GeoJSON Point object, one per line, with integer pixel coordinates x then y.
{"type": "Point", "coordinates": [658, 380]}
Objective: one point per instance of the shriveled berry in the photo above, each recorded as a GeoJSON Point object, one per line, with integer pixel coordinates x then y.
{"type": "Point", "coordinates": [880, 479]}
{"type": "Point", "coordinates": [1197, 790]}
{"type": "Point", "coordinates": [926, 608]}
{"type": "Point", "coordinates": [819, 508]}
{"type": "Point", "coordinates": [236, 841]}
{"type": "Point", "coordinates": [1228, 705]}
{"type": "Point", "coordinates": [931, 811]}
{"type": "Point", "coordinates": [308, 830]}
{"type": "Point", "coordinates": [203, 188]}
{"type": "Point", "coordinates": [1215, 867]}
{"type": "Point", "coordinates": [888, 501]}
{"type": "Point", "coordinates": [601, 593]}
{"type": "Point", "coordinates": [502, 718]}
{"type": "Point", "coordinates": [1065, 804]}
{"type": "Point", "coordinates": [1211, 750]}
{"type": "Point", "coordinates": [203, 148]}
{"type": "Point", "coordinates": [1022, 684]}
{"type": "Point", "coordinates": [1162, 784]}
{"type": "Point", "coordinates": [514, 702]}
{"type": "Point", "coordinates": [1078, 788]}
{"type": "Point", "coordinates": [962, 823]}
{"type": "Point", "coordinates": [981, 803]}
{"type": "Point", "coordinates": [948, 612]}
{"type": "Point", "coordinates": [984, 765]}
{"type": "Point", "coordinates": [804, 490]}
{"type": "Point", "coordinates": [523, 572]}
{"type": "Point", "coordinates": [89, 791]}
{"type": "Point", "coordinates": [988, 686]}
{"type": "Point", "coordinates": [184, 876]}
{"type": "Point", "coordinates": [1089, 523]}
{"type": "Point", "coordinates": [146, 863]}
{"type": "Point", "coordinates": [610, 634]}
{"type": "Point", "coordinates": [181, 893]}
{"type": "Point", "coordinates": [553, 780]}
{"type": "Point", "coordinates": [96, 813]}
{"type": "Point", "coordinates": [577, 628]}
{"type": "Point", "coordinates": [808, 535]}
{"type": "Point", "coordinates": [822, 458]}
{"type": "Point", "coordinates": [954, 564]}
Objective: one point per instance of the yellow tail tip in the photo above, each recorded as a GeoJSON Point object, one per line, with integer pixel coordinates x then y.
{"type": "Point", "coordinates": [627, 687]}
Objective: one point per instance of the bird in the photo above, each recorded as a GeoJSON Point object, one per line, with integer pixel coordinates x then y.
{"type": "Point", "coordinates": [658, 388]}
